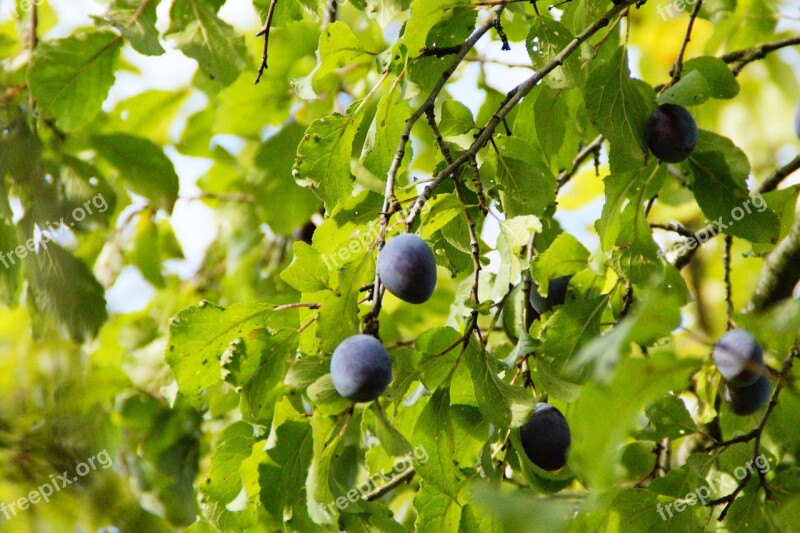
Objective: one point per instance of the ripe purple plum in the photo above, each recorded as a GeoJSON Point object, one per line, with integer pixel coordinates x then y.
{"type": "Point", "coordinates": [360, 368]}
{"type": "Point", "coordinates": [407, 268]}
{"type": "Point", "coordinates": [546, 437]}
{"type": "Point", "coordinates": [671, 133]}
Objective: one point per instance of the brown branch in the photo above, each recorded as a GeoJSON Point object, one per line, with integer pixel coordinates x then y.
{"type": "Point", "coordinates": [677, 68]}
{"type": "Point", "coordinates": [774, 180]}
{"type": "Point", "coordinates": [726, 265]}
{"type": "Point", "coordinates": [754, 435]}
{"type": "Point", "coordinates": [390, 485]}
{"type": "Point", "coordinates": [779, 274]}
{"type": "Point", "coordinates": [265, 32]}
{"type": "Point", "coordinates": [590, 149]}
{"type": "Point", "coordinates": [513, 98]}
{"type": "Point", "coordinates": [740, 58]}
{"type": "Point", "coordinates": [390, 204]}
{"type": "Point", "coordinates": [474, 243]}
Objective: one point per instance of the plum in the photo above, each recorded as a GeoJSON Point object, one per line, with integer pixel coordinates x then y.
{"type": "Point", "coordinates": [360, 368]}
{"type": "Point", "coordinates": [546, 437]}
{"type": "Point", "coordinates": [407, 268]}
{"type": "Point", "coordinates": [748, 400]}
{"type": "Point", "coordinates": [739, 358]}
{"type": "Point", "coordinates": [671, 133]}
{"type": "Point", "coordinates": [556, 294]}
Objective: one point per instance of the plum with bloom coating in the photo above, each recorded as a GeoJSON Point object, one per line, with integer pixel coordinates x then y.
{"type": "Point", "coordinates": [360, 368]}
{"type": "Point", "coordinates": [739, 358]}
{"type": "Point", "coordinates": [407, 268]}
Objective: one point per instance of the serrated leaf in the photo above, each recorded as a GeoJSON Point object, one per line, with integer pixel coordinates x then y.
{"type": "Point", "coordinates": [198, 336]}
{"type": "Point", "coordinates": [137, 23]}
{"type": "Point", "coordinates": [143, 166]}
{"type": "Point", "coordinates": [200, 34]}
{"type": "Point", "coordinates": [323, 157]}
{"type": "Point", "coordinates": [70, 78]}
{"type": "Point", "coordinates": [503, 404]}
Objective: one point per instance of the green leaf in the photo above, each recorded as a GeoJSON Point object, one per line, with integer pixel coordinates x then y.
{"type": "Point", "coordinates": [425, 14]}
{"type": "Point", "coordinates": [503, 404]}
{"type": "Point", "coordinates": [436, 510]}
{"type": "Point", "coordinates": [547, 38]}
{"type": "Point", "coordinates": [718, 174]}
{"type": "Point", "coordinates": [518, 231]}
{"type": "Point", "coordinates": [434, 433]}
{"type": "Point", "coordinates": [283, 475]}
{"type": "Point", "coordinates": [667, 419]}
{"type": "Point", "coordinates": [566, 255]}
{"type": "Point", "coordinates": [306, 273]}
{"type": "Point", "coordinates": [617, 108]}
{"type": "Point", "coordinates": [198, 336]}
{"type": "Point", "coordinates": [200, 34]}
{"type": "Point", "coordinates": [526, 185]}
{"type": "Point", "coordinates": [137, 23]}
{"type": "Point", "coordinates": [338, 47]}
{"type": "Point", "coordinates": [380, 145]}
{"type": "Point", "coordinates": [146, 253]}
{"type": "Point", "coordinates": [456, 119]}
{"type": "Point", "coordinates": [70, 78]}
{"type": "Point", "coordinates": [323, 157]}
{"type": "Point", "coordinates": [654, 315]}
{"type": "Point", "coordinates": [64, 288]}
{"type": "Point", "coordinates": [143, 167]}
{"type": "Point", "coordinates": [721, 81]}
{"type": "Point", "coordinates": [224, 483]}
{"type": "Point", "coordinates": [691, 90]}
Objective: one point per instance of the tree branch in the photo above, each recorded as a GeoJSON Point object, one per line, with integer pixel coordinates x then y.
{"type": "Point", "coordinates": [513, 98]}
{"type": "Point", "coordinates": [590, 149]}
{"type": "Point", "coordinates": [779, 274]}
{"type": "Point", "coordinates": [740, 58]}
{"type": "Point", "coordinates": [677, 68]}
{"type": "Point", "coordinates": [390, 201]}
{"type": "Point", "coordinates": [265, 32]}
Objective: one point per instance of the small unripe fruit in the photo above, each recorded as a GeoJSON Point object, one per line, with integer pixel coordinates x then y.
{"type": "Point", "coordinates": [671, 133]}
{"type": "Point", "coordinates": [407, 268]}
{"type": "Point", "coordinates": [360, 368]}
{"type": "Point", "coordinates": [750, 399]}
{"type": "Point", "coordinates": [546, 437]}
{"type": "Point", "coordinates": [739, 358]}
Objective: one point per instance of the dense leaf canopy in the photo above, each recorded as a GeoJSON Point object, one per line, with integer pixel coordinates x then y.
{"type": "Point", "coordinates": [193, 197]}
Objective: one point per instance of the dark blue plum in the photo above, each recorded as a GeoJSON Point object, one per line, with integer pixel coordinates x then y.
{"type": "Point", "coordinates": [360, 368]}
{"type": "Point", "coordinates": [407, 268]}
{"type": "Point", "coordinates": [750, 399]}
{"type": "Point", "coordinates": [556, 294]}
{"type": "Point", "coordinates": [671, 133]}
{"type": "Point", "coordinates": [546, 437]}
{"type": "Point", "coordinates": [739, 358]}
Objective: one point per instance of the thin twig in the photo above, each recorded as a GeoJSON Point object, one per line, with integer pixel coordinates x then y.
{"type": "Point", "coordinates": [591, 149]}
{"type": "Point", "coordinates": [513, 98]}
{"type": "Point", "coordinates": [726, 265]}
{"type": "Point", "coordinates": [740, 58]}
{"type": "Point", "coordinates": [390, 204]}
{"type": "Point", "coordinates": [677, 68]}
{"type": "Point", "coordinates": [265, 32]}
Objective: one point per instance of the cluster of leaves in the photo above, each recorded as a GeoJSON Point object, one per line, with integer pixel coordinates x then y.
{"type": "Point", "coordinates": [216, 398]}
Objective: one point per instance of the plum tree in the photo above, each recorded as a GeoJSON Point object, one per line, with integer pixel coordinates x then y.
{"type": "Point", "coordinates": [556, 294]}
{"type": "Point", "coordinates": [748, 399]}
{"type": "Point", "coordinates": [407, 268]}
{"type": "Point", "coordinates": [739, 358]}
{"type": "Point", "coordinates": [671, 133]}
{"type": "Point", "coordinates": [546, 437]}
{"type": "Point", "coordinates": [360, 368]}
